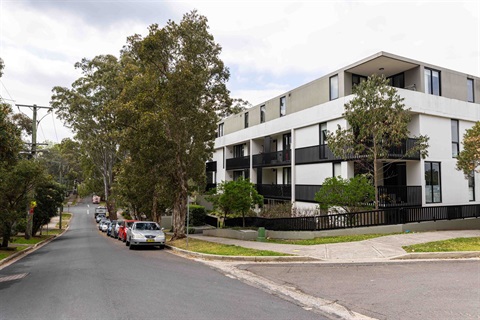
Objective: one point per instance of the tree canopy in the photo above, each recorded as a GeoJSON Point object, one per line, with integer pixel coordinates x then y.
{"type": "Point", "coordinates": [468, 160]}
{"type": "Point", "coordinates": [378, 121]}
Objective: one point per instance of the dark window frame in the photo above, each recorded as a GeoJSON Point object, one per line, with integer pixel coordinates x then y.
{"type": "Point", "coordinates": [455, 137]}
{"type": "Point", "coordinates": [471, 185]}
{"type": "Point", "coordinates": [360, 79]}
{"type": "Point", "coordinates": [220, 130]}
{"type": "Point", "coordinates": [245, 122]}
{"type": "Point", "coordinates": [330, 87]}
{"type": "Point", "coordinates": [472, 99]}
{"type": "Point", "coordinates": [430, 89]}
{"type": "Point", "coordinates": [283, 106]}
{"type": "Point", "coordinates": [395, 77]}
{"type": "Point", "coordinates": [287, 173]}
{"type": "Point", "coordinates": [262, 113]}
{"type": "Point", "coordinates": [430, 164]}
{"type": "Point", "coordinates": [239, 150]}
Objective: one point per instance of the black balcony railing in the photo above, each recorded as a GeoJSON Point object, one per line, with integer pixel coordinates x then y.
{"type": "Point", "coordinates": [238, 163]}
{"type": "Point", "coordinates": [210, 186]}
{"type": "Point", "coordinates": [306, 192]}
{"type": "Point", "coordinates": [396, 196]}
{"type": "Point", "coordinates": [271, 159]}
{"type": "Point", "coordinates": [275, 191]}
{"type": "Point", "coordinates": [211, 166]}
{"type": "Point", "coordinates": [322, 153]}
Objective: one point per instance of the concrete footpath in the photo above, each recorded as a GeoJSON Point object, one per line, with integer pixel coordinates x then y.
{"type": "Point", "coordinates": [373, 250]}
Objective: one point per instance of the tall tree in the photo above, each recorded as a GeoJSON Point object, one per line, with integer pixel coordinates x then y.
{"type": "Point", "coordinates": [468, 160]}
{"type": "Point", "coordinates": [177, 90]}
{"type": "Point", "coordinates": [378, 121]}
{"type": "Point", "coordinates": [49, 197]}
{"type": "Point", "coordinates": [86, 108]}
{"type": "Point", "coordinates": [238, 196]}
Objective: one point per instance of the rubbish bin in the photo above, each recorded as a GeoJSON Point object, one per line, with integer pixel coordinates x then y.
{"type": "Point", "coordinates": [261, 234]}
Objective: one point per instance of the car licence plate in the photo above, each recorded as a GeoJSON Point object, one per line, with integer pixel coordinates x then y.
{"type": "Point", "coordinates": [150, 240]}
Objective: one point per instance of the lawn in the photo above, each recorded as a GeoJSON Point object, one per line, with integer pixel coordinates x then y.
{"type": "Point", "coordinates": [326, 240]}
{"type": "Point", "coordinates": [200, 246]}
{"type": "Point", "coordinates": [11, 250]}
{"type": "Point", "coordinates": [458, 244]}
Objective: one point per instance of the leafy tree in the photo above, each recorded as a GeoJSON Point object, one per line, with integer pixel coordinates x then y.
{"type": "Point", "coordinates": [49, 197]}
{"type": "Point", "coordinates": [348, 194]}
{"type": "Point", "coordinates": [10, 136]}
{"type": "Point", "coordinates": [468, 160]}
{"type": "Point", "coordinates": [237, 196]}
{"type": "Point", "coordinates": [86, 108]}
{"type": "Point", "coordinates": [378, 121]}
{"type": "Point", "coordinates": [16, 185]}
{"type": "Point", "coordinates": [175, 90]}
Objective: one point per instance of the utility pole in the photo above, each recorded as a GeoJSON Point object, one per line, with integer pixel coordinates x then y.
{"type": "Point", "coordinates": [34, 108]}
{"type": "Point", "coordinates": [28, 231]}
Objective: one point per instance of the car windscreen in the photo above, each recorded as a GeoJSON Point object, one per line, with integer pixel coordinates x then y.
{"type": "Point", "coordinates": [147, 226]}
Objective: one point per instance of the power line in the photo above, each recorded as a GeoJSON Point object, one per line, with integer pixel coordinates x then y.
{"type": "Point", "coordinates": [34, 108]}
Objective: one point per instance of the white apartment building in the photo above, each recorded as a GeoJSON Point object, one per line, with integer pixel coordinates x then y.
{"type": "Point", "coordinates": [280, 144]}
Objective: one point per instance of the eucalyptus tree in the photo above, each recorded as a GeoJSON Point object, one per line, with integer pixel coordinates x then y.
{"type": "Point", "coordinates": [468, 160]}
{"type": "Point", "coordinates": [176, 91]}
{"type": "Point", "coordinates": [86, 109]}
{"type": "Point", "coordinates": [378, 121]}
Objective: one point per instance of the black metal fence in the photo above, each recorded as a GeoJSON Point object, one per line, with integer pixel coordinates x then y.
{"type": "Point", "coordinates": [211, 221]}
{"type": "Point", "coordinates": [360, 219]}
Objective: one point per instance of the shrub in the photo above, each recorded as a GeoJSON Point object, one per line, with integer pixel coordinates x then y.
{"type": "Point", "coordinates": [197, 215]}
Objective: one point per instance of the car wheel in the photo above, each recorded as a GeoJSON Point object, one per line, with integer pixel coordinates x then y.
{"type": "Point", "coordinates": [131, 246]}
{"type": "Point", "coordinates": [127, 243]}
{"type": "Point", "coordinates": [162, 247]}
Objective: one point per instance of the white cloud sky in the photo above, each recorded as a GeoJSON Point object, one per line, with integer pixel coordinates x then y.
{"type": "Point", "coordinates": [269, 46]}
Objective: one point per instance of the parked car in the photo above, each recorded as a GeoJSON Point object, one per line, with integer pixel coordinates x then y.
{"type": "Point", "coordinates": [105, 225]}
{"type": "Point", "coordinates": [145, 233]}
{"type": "Point", "coordinates": [111, 227]}
{"type": "Point", "coordinates": [95, 199]}
{"type": "Point", "coordinates": [122, 230]}
{"type": "Point", "coordinates": [99, 217]}
{"type": "Point", "coordinates": [102, 222]}
{"type": "Point", "coordinates": [116, 229]}
{"type": "Point", "coordinates": [100, 210]}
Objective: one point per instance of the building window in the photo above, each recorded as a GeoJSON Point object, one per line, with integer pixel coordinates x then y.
{"type": "Point", "coordinates": [334, 87]}
{"type": "Point", "coordinates": [432, 82]}
{"type": "Point", "coordinates": [287, 175]}
{"type": "Point", "coordinates": [283, 106]}
{"type": "Point", "coordinates": [470, 91]}
{"type": "Point", "coordinates": [246, 119]}
{"type": "Point", "coordinates": [455, 142]}
{"type": "Point", "coordinates": [397, 81]}
{"type": "Point", "coordinates": [433, 186]}
{"type": "Point", "coordinates": [238, 151]}
{"type": "Point", "coordinates": [262, 114]}
{"type": "Point", "coordinates": [337, 169]}
{"type": "Point", "coordinates": [220, 130]}
{"type": "Point", "coordinates": [323, 133]}
{"type": "Point", "coordinates": [471, 186]}
{"type": "Point", "coordinates": [357, 79]}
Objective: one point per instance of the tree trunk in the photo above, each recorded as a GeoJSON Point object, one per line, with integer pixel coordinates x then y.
{"type": "Point", "coordinates": [375, 179]}
{"type": "Point", "coordinates": [6, 234]}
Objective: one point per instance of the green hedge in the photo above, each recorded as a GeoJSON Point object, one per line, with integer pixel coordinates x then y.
{"type": "Point", "coordinates": [197, 215]}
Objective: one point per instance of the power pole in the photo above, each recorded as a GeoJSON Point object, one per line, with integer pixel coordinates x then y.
{"type": "Point", "coordinates": [34, 108]}
{"type": "Point", "coordinates": [28, 231]}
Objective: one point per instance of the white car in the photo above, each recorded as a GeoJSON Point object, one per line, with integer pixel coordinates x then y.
{"type": "Point", "coordinates": [145, 233]}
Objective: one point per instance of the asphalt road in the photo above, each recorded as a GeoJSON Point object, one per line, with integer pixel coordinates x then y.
{"type": "Point", "coordinates": [440, 290]}
{"type": "Point", "coordinates": [86, 275]}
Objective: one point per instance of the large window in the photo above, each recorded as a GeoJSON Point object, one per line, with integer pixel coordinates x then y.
{"type": "Point", "coordinates": [357, 79]}
{"type": "Point", "coordinates": [220, 130]}
{"type": "Point", "coordinates": [432, 82]}
{"type": "Point", "coordinates": [397, 81]}
{"type": "Point", "coordinates": [471, 186]}
{"type": "Point", "coordinates": [323, 133]}
{"type": "Point", "coordinates": [470, 91]}
{"type": "Point", "coordinates": [287, 175]}
{"type": "Point", "coordinates": [334, 87]}
{"type": "Point", "coordinates": [433, 186]}
{"type": "Point", "coordinates": [455, 142]}
{"type": "Point", "coordinates": [262, 114]}
{"type": "Point", "coordinates": [283, 106]}
{"type": "Point", "coordinates": [238, 151]}
{"type": "Point", "coordinates": [246, 119]}
{"type": "Point", "coordinates": [337, 169]}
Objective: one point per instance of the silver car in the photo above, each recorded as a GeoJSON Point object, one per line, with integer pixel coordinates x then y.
{"type": "Point", "coordinates": [145, 233]}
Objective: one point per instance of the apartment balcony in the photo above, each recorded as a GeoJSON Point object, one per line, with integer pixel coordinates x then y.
{"type": "Point", "coordinates": [306, 193]}
{"type": "Point", "coordinates": [272, 159]}
{"type": "Point", "coordinates": [322, 153]}
{"type": "Point", "coordinates": [211, 166]}
{"type": "Point", "coordinates": [238, 163]}
{"type": "Point", "coordinates": [275, 191]}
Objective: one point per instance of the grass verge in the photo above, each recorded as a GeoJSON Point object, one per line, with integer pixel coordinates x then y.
{"type": "Point", "coordinates": [200, 246]}
{"type": "Point", "coordinates": [6, 252]}
{"type": "Point", "coordinates": [457, 244]}
{"type": "Point", "coordinates": [326, 240]}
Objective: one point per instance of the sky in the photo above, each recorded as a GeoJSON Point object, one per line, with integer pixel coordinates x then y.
{"type": "Point", "coordinates": [270, 47]}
